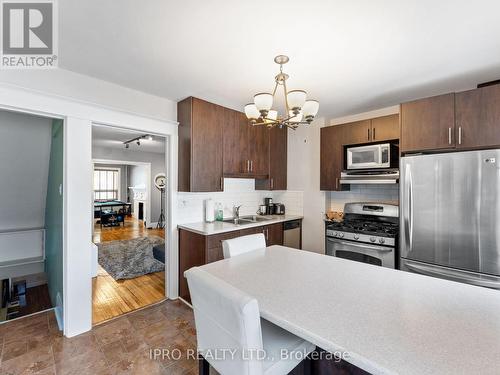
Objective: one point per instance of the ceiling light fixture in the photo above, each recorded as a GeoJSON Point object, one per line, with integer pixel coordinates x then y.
{"type": "Point", "coordinates": [298, 110]}
{"type": "Point", "coordinates": [138, 140]}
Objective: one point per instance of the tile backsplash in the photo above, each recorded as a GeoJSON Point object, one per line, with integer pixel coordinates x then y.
{"type": "Point", "coordinates": [237, 191]}
{"type": "Point", "coordinates": [335, 200]}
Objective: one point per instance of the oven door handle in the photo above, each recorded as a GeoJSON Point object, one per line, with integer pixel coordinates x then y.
{"type": "Point", "coordinates": [369, 247]}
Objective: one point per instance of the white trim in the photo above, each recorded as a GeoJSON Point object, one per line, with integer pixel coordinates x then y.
{"type": "Point", "coordinates": [78, 118]}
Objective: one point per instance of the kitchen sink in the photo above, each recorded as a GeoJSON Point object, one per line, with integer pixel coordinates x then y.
{"type": "Point", "coordinates": [246, 220]}
{"type": "Point", "coordinates": [239, 221]}
{"type": "Point", "coordinates": [255, 218]}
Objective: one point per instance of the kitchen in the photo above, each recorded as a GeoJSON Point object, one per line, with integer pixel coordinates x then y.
{"type": "Point", "coordinates": [398, 195]}
{"type": "Point", "coordinates": [329, 192]}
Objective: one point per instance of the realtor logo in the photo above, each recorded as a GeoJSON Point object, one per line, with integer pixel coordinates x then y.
{"type": "Point", "coordinates": [28, 34]}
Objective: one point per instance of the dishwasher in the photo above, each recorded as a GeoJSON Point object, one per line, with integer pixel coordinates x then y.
{"type": "Point", "coordinates": [291, 234]}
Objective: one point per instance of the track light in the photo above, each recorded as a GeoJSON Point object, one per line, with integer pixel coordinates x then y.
{"type": "Point", "coordinates": [138, 143]}
{"type": "Point", "coordinates": [127, 145]}
{"type": "Point", "coordinates": [149, 137]}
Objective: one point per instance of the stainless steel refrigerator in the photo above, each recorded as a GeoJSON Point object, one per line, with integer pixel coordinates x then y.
{"type": "Point", "coordinates": [450, 216]}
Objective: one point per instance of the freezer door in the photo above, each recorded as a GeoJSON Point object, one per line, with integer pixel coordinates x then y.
{"type": "Point", "coordinates": [450, 210]}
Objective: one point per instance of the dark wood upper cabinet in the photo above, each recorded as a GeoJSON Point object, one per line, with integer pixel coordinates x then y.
{"type": "Point", "coordinates": [234, 142]}
{"type": "Point", "coordinates": [428, 124]}
{"type": "Point", "coordinates": [200, 145]}
{"type": "Point", "coordinates": [258, 151]}
{"type": "Point", "coordinates": [246, 147]}
{"type": "Point", "coordinates": [359, 132]}
{"type": "Point", "coordinates": [331, 157]}
{"type": "Point", "coordinates": [385, 128]}
{"type": "Point", "coordinates": [478, 118]}
{"type": "Point", "coordinates": [277, 139]}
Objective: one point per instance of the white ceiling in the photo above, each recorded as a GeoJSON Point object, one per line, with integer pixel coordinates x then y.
{"type": "Point", "coordinates": [353, 56]}
{"type": "Point", "coordinates": [109, 137]}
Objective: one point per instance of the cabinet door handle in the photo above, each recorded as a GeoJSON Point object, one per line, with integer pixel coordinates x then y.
{"type": "Point", "coordinates": [368, 134]}
{"type": "Point", "coordinates": [337, 183]}
{"type": "Point", "coordinates": [222, 183]}
{"type": "Point", "coordinates": [449, 136]}
{"type": "Point", "coordinates": [272, 183]}
{"type": "Point", "coordinates": [248, 165]}
{"type": "Point", "coordinates": [251, 165]}
{"type": "Point", "coordinates": [459, 135]}
{"type": "Point", "coordinates": [373, 133]}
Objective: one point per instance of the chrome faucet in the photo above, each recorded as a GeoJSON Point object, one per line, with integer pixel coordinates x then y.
{"type": "Point", "coordinates": [236, 210]}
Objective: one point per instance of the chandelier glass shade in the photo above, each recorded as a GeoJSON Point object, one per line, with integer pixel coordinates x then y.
{"type": "Point", "coordinates": [298, 109]}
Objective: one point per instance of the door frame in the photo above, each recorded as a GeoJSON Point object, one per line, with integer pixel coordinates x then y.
{"type": "Point", "coordinates": [78, 117]}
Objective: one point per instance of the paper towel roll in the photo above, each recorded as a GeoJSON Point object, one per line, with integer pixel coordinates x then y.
{"type": "Point", "coordinates": [209, 211]}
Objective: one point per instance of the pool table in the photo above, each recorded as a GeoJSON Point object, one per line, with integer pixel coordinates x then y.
{"type": "Point", "coordinates": [106, 209]}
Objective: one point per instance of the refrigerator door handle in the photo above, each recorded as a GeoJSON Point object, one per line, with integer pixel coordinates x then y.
{"type": "Point", "coordinates": [451, 275]}
{"type": "Point", "coordinates": [408, 208]}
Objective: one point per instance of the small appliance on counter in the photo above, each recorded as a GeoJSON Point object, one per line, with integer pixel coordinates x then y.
{"type": "Point", "coordinates": [270, 208]}
{"type": "Point", "coordinates": [279, 209]}
{"type": "Point", "coordinates": [268, 202]}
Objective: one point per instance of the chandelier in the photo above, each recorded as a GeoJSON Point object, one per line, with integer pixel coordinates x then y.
{"type": "Point", "coordinates": [298, 110]}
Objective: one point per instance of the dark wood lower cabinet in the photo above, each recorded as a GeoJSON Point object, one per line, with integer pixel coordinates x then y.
{"type": "Point", "coordinates": [274, 234]}
{"type": "Point", "coordinates": [197, 249]}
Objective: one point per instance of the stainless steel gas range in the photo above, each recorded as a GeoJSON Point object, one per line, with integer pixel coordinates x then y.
{"type": "Point", "coordinates": [368, 234]}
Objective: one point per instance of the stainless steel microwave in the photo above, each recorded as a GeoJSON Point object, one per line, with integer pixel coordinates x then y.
{"type": "Point", "coordinates": [383, 155]}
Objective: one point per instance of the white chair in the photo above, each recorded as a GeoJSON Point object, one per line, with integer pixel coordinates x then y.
{"type": "Point", "coordinates": [244, 244]}
{"type": "Point", "coordinates": [228, 320]}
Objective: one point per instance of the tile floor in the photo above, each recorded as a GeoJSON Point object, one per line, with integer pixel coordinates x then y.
{"type": "Point", "coordinates": [34, 345]}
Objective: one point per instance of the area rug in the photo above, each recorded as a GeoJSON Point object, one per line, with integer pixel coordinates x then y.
{"type": "Point", "coordinates": [127, 259]}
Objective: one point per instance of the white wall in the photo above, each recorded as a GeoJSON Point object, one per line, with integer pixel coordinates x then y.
{"type": "Point", "coordinates": [24, 169]}
{"type": "Point", "coordinates": [303, 175]}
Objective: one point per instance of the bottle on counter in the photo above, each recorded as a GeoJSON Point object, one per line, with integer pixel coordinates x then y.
{"type": "Point", "coordinates": [219, 212]}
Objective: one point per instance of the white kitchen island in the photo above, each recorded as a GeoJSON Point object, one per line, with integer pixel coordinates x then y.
{"type": "Point", "coordinates": [388, 321]}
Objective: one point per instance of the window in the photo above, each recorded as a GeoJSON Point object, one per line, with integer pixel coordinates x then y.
{"type": "Point", "coordinates": [106, 184]}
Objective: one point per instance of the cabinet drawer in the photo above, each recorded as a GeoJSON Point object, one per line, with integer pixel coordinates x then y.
{"type": "Point", "coordinates": [216, 239]}
{"type": "Point", "coordinates": [254, 230]}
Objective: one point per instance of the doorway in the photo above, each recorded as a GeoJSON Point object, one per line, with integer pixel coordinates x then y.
{"type": "Point", "coordinates": [128, 229]}
{"type": "Point", "coordinates": [31, 218]}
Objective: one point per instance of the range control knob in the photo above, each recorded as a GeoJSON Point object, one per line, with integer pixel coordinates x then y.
{"type": "Point", "coordinates": [356, 236]}
{"type": "Point", "coordinates": [381, 240]}
{"type": "Point", "coordinates": [373, 239]}
{"type": "Point", "coordinates": [336, 234]}
{"type": "Point", "coordinates": [341, 234]}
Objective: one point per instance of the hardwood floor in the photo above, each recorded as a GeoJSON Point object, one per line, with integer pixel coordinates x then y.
{"type": "Point", "coordinates": [112, 298]}
{"type": "Point", "coordinates": [133, 228]}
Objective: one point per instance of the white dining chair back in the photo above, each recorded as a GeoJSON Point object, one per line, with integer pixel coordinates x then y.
{"type": "Point", "coordinates": [244, 244]}
{"type": "Point", "coordinates": [226, 319]}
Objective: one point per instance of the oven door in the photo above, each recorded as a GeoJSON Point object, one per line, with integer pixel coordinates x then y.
{"type": "Point", "coordinates": [372, 254]}
{"type": "Point", "coordinates": [372, 156]}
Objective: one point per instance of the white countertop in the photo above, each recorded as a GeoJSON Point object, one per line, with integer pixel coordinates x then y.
{"type": "Point", "coordinates": [216, 227]}
{"type": "Point", "coordinates": [388, 321]}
